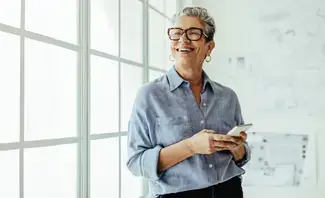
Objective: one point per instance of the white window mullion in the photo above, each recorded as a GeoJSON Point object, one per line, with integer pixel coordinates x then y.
{"type": "Point", "coordinates": [120, 101]}
{"type": "Point", "coordinates": [22, 100]}
{"type": "Point", "coordinates": [84, 103]}
{"type": "Point", "coordinates": [146, 66]}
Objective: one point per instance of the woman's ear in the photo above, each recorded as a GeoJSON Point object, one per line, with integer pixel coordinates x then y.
{"type": "Point", "coordinates": [211, 46]}
{"type": "Point", "coordinates": [172, 51]}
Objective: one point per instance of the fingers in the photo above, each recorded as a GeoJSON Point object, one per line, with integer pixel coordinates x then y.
{"type": "Point", "coordinates": [221, 142]}
{"type": "Point", "coordinates": [224, 144]}
{"type": "Point", "coordinates": [226, 138]}
{"type": "Point", "coordinates": [221, 148]}
{"type": "Point", "coordinates": [207, 131]}
{"type": "Point", "coordinates": [239, 140]}
{"type": "Point", "coordinates": [220, 145]}
{"type": "Point", "coordinates": [221, 137]}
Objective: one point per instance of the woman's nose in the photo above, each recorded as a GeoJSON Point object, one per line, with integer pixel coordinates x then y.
{"type": "Point", "coordinates": [184, 38]}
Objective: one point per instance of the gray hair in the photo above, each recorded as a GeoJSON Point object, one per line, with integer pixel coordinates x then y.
{"type": "Point", "coordinates": [203, 15]}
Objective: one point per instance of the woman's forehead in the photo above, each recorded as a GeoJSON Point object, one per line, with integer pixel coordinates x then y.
{"type": "Point", "coordinates": [186, 22]}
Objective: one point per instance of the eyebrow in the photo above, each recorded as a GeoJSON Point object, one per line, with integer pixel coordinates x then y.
{"type": "Point", "coordinates": [189, 28]}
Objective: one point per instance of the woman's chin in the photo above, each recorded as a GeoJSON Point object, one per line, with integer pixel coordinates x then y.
{"type": "Point", "coordinates": [186, 60]}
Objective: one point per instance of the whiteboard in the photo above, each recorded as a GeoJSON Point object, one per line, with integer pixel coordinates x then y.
{"type": "Point", "coordinates": [280, 159]}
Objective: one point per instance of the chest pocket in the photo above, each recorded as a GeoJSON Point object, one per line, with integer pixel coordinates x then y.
{"type": "Point", "coordinates": [221, 124]}
{"type": "Point", "coordinates": [226, 124]}
{"type": "Point", "coordinates": [171, 130]}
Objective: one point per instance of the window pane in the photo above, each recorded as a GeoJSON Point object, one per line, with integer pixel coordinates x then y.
{"type": "Point", "coordinates": [131, 185]}
{"type": "Point", "coordinates": [9, 75]}
{"type": "Point", "coordinates": [169, 8]}
{"type": "Point", "coordinates": [51, 172]}
{"type": "Point", "coordinates": [131, 81]}
{"type": "Point", "coordinates": [104, 168]}
{"type": "Point", "coordinates": [159, 44]}
{"type": "Point", "coordinates": [168, 63]}
{"type": "Point", "coordinates": [158, 4]}
{"type": "Point", "coordinates": [131, 30]}
{"type": "Point", "coordinates": [57, 19]}
{"type": "Point", "coordinates": [10, 12]}
{"type": "Point", "coordinates": [104, 95]}
{"type": "Point", "coordinates": [153, 74]}
{"type": "Point", "coordinates": [104, 26]}
{"type": "Point", "coordinates": [9, 171]}
{"type": "Point", "coordinates": [50, 91]}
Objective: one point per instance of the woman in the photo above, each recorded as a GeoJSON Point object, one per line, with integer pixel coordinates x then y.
{"type": "Point", "coordinates": [178, 124]}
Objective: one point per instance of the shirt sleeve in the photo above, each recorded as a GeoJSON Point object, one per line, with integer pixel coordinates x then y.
{"type": "Point", "coordinates": [246, 157]}
{"type": "Point", "coordinates": [239, 120]}
{"type": "Point", "coordinates": [142, 155]}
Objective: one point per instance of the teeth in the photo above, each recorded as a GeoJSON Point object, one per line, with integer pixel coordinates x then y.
{"type": "Point", "coordinates": [185, 50]}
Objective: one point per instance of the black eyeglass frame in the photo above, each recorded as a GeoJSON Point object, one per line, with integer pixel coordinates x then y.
{"type": "Point", "coordinates": [185, 31]}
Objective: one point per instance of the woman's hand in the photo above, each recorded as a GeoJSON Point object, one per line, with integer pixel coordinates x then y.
{"type": "Point", "coordinates": [239, 151]}
{"type": "Point", "coordinates": [208, 141]}
{"type": "Point", "coordinates": [241, 139]}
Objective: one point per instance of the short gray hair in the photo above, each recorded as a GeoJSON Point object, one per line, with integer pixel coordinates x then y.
{"type": "Point", "coordinates": [203, 15]}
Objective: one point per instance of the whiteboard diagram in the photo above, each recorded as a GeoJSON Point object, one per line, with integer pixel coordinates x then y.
{"type": "Point", "coordinates": [277, 159]}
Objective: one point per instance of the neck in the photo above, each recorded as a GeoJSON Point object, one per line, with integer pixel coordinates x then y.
{"type": "Point", "coordinates": [192, 74]}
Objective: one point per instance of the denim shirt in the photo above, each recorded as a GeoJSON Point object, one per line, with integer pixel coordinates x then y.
{"type": "Point", "coordinates": [165, 112]}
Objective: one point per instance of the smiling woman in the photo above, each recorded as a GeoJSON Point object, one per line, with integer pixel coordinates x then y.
{"type": "Point", "coordinates": [179, 121]}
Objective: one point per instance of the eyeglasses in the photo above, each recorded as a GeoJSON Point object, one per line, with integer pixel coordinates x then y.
{"type": "Point", "coordinates": [192, 34]}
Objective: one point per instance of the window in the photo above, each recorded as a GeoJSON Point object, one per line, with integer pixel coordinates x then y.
{"type": "Point", "coordinates": [131, 30]}
{"type": "Point", "coordinates": [56, 19]}
{"type": "Point", "coordinates": [50, 91]}
{"type": "Point", "coordinates": [166, 7]}
{"type": "Point", "coordinates": [9, 173]}
{"type": "Point", "coordinates": [154, 74]}
{"type": "Point", "coordinates": [104, 95]}
{"type": "Point", "coordinates": [9, 86]}
{"type": "Point", "coordinates": [50, 172]}
{"type": "Point", "coordinates": [132, 79]}
{"type": "Point", "coordinates": [159, 49]}
{"type": "Point", "coordinates": [104, 26]}
{"type": "Point", "coordinates": [104, 163]}
{"type": "Point", "coordinates": [10, 12]}
{"type": "Point", "coordinates": [69, 73]}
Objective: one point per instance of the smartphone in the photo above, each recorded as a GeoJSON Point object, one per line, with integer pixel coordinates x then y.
{"type": "Point", "coordinates": [237, 129]}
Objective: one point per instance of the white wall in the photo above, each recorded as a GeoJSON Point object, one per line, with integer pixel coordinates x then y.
{"type": "Point", "coordinates": [184, 3]}
{"type": "Point", "coordinates": [281, 82]}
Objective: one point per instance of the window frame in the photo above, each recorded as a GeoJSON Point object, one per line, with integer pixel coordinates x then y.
{"type": "Point", "coordinates": [82, 47]}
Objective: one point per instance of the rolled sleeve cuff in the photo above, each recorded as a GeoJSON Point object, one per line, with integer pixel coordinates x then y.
{"type": "Point", "coordinates": [246, 157]}
{"type": "Point", "coordinates": [150, 159]}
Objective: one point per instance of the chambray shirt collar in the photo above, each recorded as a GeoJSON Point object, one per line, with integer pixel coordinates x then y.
{"type": "Point", "coordinates": [175, 80]}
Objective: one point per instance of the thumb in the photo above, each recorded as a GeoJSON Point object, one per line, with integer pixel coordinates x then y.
{"type": "Point", "coordinates": [243, 135]}
{"type": "Point", "coordinates": [209, 131]}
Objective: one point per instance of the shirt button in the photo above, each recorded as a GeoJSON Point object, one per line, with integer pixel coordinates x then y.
{"type": "Point", "coordinates": [210, 165]}
{"type": "Point", "coordinates": [202, 121]}
{"type": "Point", "coordinates": [204, 104]}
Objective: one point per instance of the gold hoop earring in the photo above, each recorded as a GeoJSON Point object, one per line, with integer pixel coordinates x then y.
{"type": "Point", "coordinates": [171, 58]}
{"type": "Point", "coordinates": [208, 58]}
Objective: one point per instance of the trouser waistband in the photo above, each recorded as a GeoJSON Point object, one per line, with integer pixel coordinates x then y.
{"type": "Point", "coordinates": [228, 189]}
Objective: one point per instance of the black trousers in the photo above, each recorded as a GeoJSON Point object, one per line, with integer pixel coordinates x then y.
{"type": "Point", "coordinates": [229, 189]}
